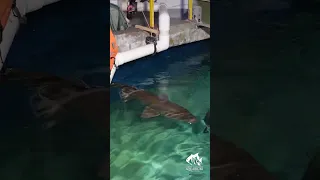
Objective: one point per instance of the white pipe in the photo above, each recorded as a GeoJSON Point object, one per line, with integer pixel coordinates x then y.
{"type": "Point", "coordinates": [26, 6]}
{"type": "Point", "coordinates": [113, 71]}
{"type": "Point", "coordinates": [12, 26]}
{"type": "Point", "coordinates": [162, 43]}
{"type": "Point", "coordinates": [9, 32]}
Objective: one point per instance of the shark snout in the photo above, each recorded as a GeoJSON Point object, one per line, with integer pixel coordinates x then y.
{"type": "Point", "coordinates": [182, 116]}
{"type": "Point", "coordinates": [192, 120]}
{"type": "Point", "coordinates": [188, 117]}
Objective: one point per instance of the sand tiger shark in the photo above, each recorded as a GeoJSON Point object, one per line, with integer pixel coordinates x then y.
{"type": "Point", "coordinates": [53, 98]}
{"type": "Point", "coordinates": [156, 105]}
{"type": "Point", "coordinates": [312, 171]}
{"type": "Point", "coordinates": [228, 161]}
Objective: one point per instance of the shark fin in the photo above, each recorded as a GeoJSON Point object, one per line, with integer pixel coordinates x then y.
{"type": "Point", "coordinates": [163, 97]}
{"type": "Point", "coordinates": [206, 130]}
{"type": "Point", "coordinates": [148, 112]}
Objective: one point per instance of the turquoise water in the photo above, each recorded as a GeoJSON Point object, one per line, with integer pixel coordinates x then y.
{"type": "Point", "coordinates": [56, 41]}
{"type": "Point", "coordinates": [266, 80]}
{"type": "Point", "coordinates": [157, 148]}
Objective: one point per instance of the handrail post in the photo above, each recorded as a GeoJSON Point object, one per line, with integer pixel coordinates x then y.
{"type": "Point", "coordinates": [151, 13]}
{"type": "Point", "coordinates": [190, 10]}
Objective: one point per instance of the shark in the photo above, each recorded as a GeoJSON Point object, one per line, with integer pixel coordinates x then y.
{"type": "Point", "coordinates": [207, 122]}
{"type": "Point", "coordinates": [60, 104]}
{"type": "Point", "coordinates": [53, 98]}
{"type": "Point", "coordinates": [56, 101]}
{"type": "Point", "coordinates": [228, 161]}
{"type": "Point", "coordinates": [312, 171]}
{"type": "Point", "coordinates": [156, 105]}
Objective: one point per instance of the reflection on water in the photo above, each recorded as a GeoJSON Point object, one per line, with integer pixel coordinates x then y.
{"type": "Point", "coordinates": [157, 148]}
{"type": "Point", "coordinates": [266, 90]}
{"type": "Point", "coordinates": [53, 41]}
{"type": "Point", "coordinates": [48, 128]}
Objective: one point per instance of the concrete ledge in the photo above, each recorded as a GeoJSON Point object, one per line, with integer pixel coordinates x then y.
{"type": "Point", "coordinates": [181, 32]}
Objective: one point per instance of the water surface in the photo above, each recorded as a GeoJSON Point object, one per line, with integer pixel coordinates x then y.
{"type": "Point", "coordinates": [157, 148]}
{"type": "Point", "coordinates": [265, 87]}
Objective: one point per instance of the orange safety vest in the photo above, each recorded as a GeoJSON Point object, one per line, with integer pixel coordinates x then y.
{"type": "Point", "coordinates": [5, 8]}
{"type": "Point", "coordinates": [113, 49]}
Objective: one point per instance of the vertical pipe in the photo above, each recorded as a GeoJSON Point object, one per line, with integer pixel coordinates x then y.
{"type": "Point", "coordinates": [182, 10]}
{"type": "Point", "coordinates": [190, 9]}
{"type": "Point", "coordinates": [162, 44]}
{"type": "Point", "coordinates": [151, 13]}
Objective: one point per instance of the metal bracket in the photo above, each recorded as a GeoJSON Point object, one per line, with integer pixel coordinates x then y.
{"type": "Point", "coordinates": [151, 39]}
